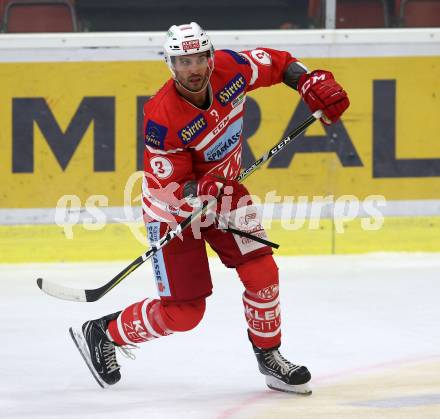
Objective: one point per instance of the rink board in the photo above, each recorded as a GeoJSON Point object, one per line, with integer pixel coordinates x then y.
{"type": "Point", "coordinates": [48, 243]}
{"type": "Point", "coordinates": [72, 125]}
{"type": "Point", "coordinates": [75, 128]}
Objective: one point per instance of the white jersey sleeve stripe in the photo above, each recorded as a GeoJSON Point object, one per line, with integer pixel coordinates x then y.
{"type": "Point", "coordinates": [152, 214]}
{"type": "Point", "coordinates": [253, 67]}
{"type": "Point", "coordinates": [163, 206]}
{"type": "Point", "coordinates": [157, 151]}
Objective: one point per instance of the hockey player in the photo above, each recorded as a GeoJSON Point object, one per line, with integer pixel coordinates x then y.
{"type": "Point", "coordinates": [193, 128]}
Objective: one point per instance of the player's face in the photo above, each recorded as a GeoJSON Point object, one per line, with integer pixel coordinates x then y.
{"type": "Point", "coordinates": [192, 70]}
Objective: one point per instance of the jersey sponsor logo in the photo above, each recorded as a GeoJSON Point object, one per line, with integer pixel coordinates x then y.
{"type": "Point", "coordinates": [191, 131]}
{"type": "Point", "coordinates": [155, 134]}
{"type": "Point", "coordinates": [162, 167]}
{"type": "Point", "coordinates": [223, 124]}
{"type": "Point", "coordinates": [173, 210]}
{"type": "Point", "coordinates": [263, 315]}
{"type": "Point", "coordinates": [157, 261]}
{"type": "Point", "coordinates": [248, 219]}
{"type": "Point", "coordinates": [231, 90]}
{"type": "Point", "coordinates": [261, 57]}
{"type": "Point", "coordinates": [226, 143]}
{"type": "Point", "coordinates": [194, 44]}
{"type": "Point", "coordinates": [243, 218]}
{"type": "Point", "coordinates": [238, 100]}
{"type": "Point", "coordinates": [230, 167]}
{"type": "Point", "coordinates": [139, 331]}
{"type": "Point", "coordinates": [269, 293]}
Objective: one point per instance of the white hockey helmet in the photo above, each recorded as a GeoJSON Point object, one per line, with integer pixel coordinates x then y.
{"type": "Point", "coordinates": [185, 40]}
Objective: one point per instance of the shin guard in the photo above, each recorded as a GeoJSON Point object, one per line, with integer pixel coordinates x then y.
{"type": "Point", "coordinates": [138, 323]}
{"type": "Point", "coordinates": [261, 301]}
{"type": "Point", "coordinates": [264, 321]}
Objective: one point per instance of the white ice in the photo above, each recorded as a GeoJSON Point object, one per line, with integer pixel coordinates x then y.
{"type": "Point", "coordinates": [342, 316]}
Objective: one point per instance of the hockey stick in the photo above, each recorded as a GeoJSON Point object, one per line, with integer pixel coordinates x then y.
{"type": "Point", "coordinates": [90, 295]}
{"type": "Point", "coordinates": [252, 237]}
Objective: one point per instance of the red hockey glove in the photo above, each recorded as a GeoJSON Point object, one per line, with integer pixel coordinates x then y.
{"type": "Point", "coordinates": [320, 90]}
{"type": "Point", "coordinates": [214, 185]}
{"type": "Point", "coordinates": [209, 185]}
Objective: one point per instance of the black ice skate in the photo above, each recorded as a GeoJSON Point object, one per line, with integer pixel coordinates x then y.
{"type": "Point", "coordinates": [281, 374]}
{"type": "Point", "coordinates": [97, 350]}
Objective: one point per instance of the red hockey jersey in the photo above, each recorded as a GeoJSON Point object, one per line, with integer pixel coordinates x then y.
{"type": "Point", "coordinates": [183, 142]}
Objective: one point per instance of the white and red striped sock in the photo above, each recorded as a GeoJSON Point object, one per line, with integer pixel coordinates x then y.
{"type": "Point", "coordinates": [138, 323]}
{"type": "Point", "coordinates": [264, 320]}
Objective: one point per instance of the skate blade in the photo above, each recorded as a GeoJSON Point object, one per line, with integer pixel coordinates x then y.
{"type": "Point", "coordinates": [275, 384]}
{"type": "Point", "coordinates": [80, 343]}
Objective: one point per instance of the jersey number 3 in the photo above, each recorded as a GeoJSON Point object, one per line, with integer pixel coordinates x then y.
{"type": "Point", "coordinates": [162, 167]}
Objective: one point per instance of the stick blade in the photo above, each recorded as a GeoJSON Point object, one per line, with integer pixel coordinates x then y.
{"type": "Point", "coordinates": [61, 292]}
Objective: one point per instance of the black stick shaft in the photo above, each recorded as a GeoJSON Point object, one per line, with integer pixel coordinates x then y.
{"type": "Point", "coordinates": [97, 293]}
{"type": "Point", "coordinates": [185, 223]}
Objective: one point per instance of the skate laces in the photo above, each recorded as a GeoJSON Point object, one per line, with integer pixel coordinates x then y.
{"type": "Point", "coordinates": [126, 350]}
{"type": "Point", "coordinates": [108, 350]}
{"type": "Point", "coordinates": [275, 360]}
{"type": "Point", "coordinates": [109, 353]}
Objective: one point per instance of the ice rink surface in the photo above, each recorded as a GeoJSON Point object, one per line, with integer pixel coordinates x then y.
{"type": "Point", "coordinates": [367, 327]}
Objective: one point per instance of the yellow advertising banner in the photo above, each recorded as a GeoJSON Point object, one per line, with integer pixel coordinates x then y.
{"type": "Point", "coordinates": [75, 128]}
